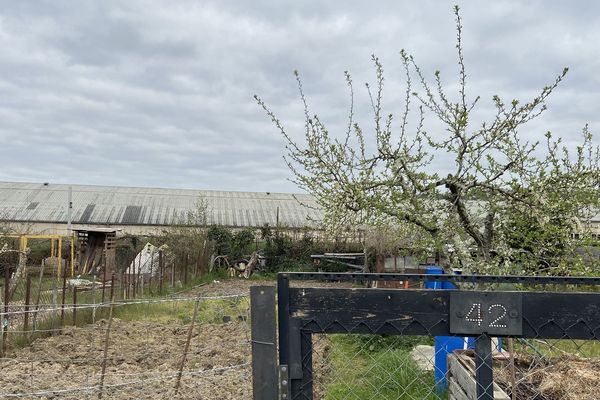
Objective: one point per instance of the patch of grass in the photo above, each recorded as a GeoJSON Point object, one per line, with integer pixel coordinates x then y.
{"type": "Point", "coordinates": [212, 311]}
{"type": "Point", "coordinates": [372, 367]}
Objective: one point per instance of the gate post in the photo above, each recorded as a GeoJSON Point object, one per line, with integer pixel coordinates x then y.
{"type": "Point", "coordinates": [264, 355]}
{"type": "Point", "coordinates": [484, 373]}
{"type": "Point", "coordinates": [283, 314]}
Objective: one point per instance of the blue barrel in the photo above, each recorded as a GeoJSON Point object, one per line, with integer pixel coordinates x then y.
{"type": "Point", "coordinates": [434, 270]}
{"type": "Point", "coordinates": [444, 345]}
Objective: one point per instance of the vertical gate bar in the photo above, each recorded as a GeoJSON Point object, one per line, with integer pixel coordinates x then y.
{"type": "Point", "coordinates": [484, 373]}
{"type": "Point", "coordinates": [264, 351]}
{"type": "Point", "coordinates": [306, 384]}
{"type": "Point", "coordinates": [283, 312]}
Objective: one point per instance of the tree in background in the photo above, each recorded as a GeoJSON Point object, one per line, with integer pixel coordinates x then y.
{"type": "Point", "coordinates": [505, 195]}
{"type": "Point", "coordinates": [235, 244]}
{"type": "Point", "coordinates": [186, 239]}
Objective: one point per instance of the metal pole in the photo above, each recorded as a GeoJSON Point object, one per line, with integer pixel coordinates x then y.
{"type": "Point", "coordinates": [70, 212]}
{"type": "Point", "coordinates": [283, 302]}
{"type": "Point", "coordinates": [484, 374]}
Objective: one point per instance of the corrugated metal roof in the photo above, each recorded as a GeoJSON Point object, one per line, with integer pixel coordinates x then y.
{"type": "Point", "coordinates": [113, 205]}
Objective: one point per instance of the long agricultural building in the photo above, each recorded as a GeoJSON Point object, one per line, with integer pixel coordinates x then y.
{"type": "Point", "coordinates": [42, 208]}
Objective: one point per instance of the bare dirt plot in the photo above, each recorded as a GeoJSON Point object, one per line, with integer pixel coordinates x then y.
{"type": "Point", "coordinates": [144, 354]}
{"type": "Point", "coordinates": [143, 361]}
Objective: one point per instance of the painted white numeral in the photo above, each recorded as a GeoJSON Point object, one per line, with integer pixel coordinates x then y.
{"type": "Point", "coordinates": [474, 314]}
{"type": "Point", "coordinates": [495, 323]}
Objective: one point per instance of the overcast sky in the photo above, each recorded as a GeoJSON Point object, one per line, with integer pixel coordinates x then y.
{"type": "Point", "coordinates": [159, 93]}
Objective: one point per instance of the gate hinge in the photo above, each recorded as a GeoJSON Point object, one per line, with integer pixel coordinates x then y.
{"type": "Point", "coordinates": [284, 382]}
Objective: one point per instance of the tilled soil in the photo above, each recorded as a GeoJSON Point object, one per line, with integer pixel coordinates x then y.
{"type": "Point", "coordinates": [143, 360]}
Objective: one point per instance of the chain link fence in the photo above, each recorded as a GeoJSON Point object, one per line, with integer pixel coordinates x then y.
{"type": "Point", "coordinates": [182, 346]}
{"type": "Point", "coordinates": [482, 341]}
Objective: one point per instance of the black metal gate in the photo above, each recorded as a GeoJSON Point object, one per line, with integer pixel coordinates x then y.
{"type": "Point", "coordinates": [560, 313]}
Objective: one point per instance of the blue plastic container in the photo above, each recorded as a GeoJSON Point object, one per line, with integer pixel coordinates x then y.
{"type": "Point", "coordinates": [434, 270]}
{"type": "Point", "coordinates": [444, 345]}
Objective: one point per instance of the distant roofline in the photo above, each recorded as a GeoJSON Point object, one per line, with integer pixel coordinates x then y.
{"type": "Point", "coordinates": [79, 186]}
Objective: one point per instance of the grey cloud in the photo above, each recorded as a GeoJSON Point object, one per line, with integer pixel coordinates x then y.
{"type": "Point", "coordinates": [159, 93]}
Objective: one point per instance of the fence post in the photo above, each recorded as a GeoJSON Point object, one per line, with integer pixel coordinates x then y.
{"type": "Point", "coordinates": [37, 302]}
{"type": "Point", "coordinates": [185, 269]}
{"type": "Point", "coordinates": [187, 346]}
{"type": "Point", "coordinates": [283, 310]}
{"type": "Point", "coordinates": [484, 373]}
{"type": "Point", "coordinates": [74, 305]}
{"type": "Point", "coordinates": [103, 276]}
{"type": "Point", "coordinates": [6, 301]}
{"type": "Point", "coordinates": [64, 292]}
{"type": "Point", "coordinates": [105, 352]}
{"type": "Point", "coordinates": [264, 355]}
{"type": "Point", "coordinates": [27, 301]}
{"type": "Point", "coordinates": [173, 274]}
{"type": "Point", "coordinates": [160, 267]}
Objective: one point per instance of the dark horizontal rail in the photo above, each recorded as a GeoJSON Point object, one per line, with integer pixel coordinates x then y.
{"type": "Point", "coordinates": [547, 315]}
{"type": "Point", "coordinates": [350, 276]}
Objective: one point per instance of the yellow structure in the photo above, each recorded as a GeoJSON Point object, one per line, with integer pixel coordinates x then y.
{"type": "Point", "coordinates": [56, 242]}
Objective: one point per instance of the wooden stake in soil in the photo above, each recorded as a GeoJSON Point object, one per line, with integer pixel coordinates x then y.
{"type": "Point", "coordinates": [37, 301]}
{"type": "Point", "coordinates": [6, 301]}
{"type": "Point", "coordinates": [74, 305]}
{"type": "Point", "coordinates": [27, 301]}
{"type": "Point", "coordinates": [64, 291]}
{"type": "Point", "coordinates": [103, 277]}
{"type": "Point", "coordinates": [160, 267]}
{"type": "Point", "coordinates": [105, 354]}
{"type": "Point", "coordinates": [187, 346]}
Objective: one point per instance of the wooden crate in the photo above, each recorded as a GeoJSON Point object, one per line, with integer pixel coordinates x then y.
{"type": "Point", "coordinates": [461, 379]}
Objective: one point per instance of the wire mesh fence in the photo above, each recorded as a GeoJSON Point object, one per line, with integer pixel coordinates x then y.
{"type": "Point", "coordinates": [404, 367]}
{"type": "Point", "coordinates": [478, 341]}
{"type": "Point", "coordinates": [180, 346]}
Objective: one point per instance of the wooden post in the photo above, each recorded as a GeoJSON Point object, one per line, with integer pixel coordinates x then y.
{"type": "Point", "coordinates": [6, 301]}
{"type": "Point", "coordinates": [74, 305]}
{"type": "Point", "coordinates": [105, 352]}
{"type": "Point", "coordinates": [173, 274]}
{"type": "Point", "coordinates": [112, 286]}
{"type": "Point", "coordinates": [161, 270]}
{"type": "Point", "coordinates": [187, 346]}
{"type": "Point", "coordinates": [64, 292]}
{"type": "Point", "coordinates": [151, 271]}
{"type": "Point", "coordinates": [37, 300]}
{"type": "Point", "coordinates": [134, 280]}
{"type": "Point", "coordinates": [103, 276]}
{"type": "Point", "coordinates": [185, 269]}
{"type": "Point", "coordinates": [27, 301]}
